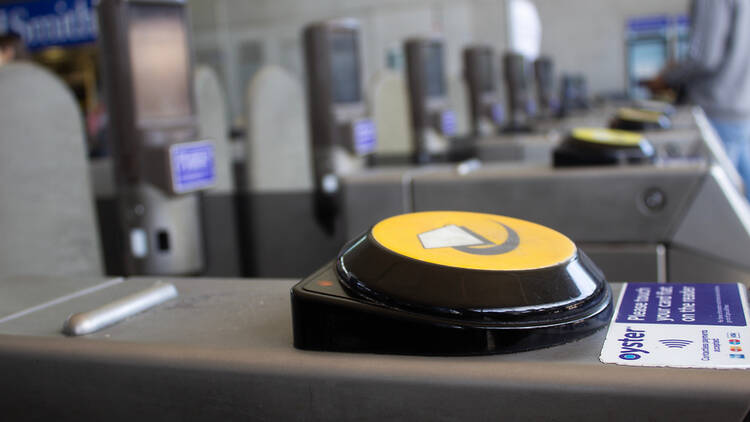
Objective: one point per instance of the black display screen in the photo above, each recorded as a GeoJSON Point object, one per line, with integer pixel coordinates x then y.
{"type": "Point", "coordinates": [433, 68]}
{"type": "Point", "coordinates": [516, 70]}
{"type": "Point", "coordinates": [344, 67]}
{"type": "Point", "coordinates": [160, 60]}
{"type": "Point", "coordinates": [486, 74]}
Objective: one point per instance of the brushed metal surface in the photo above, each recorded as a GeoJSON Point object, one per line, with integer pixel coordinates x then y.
{"type": "Point", "coordinates": [587, 204]}
{"type": "Point", "coordinates": [223, 351]}
{"type": "Point", "coordinates": [718, 221]}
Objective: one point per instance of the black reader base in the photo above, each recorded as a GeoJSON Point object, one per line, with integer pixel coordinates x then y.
{"type": "Point", "coordinates": [328, 318]}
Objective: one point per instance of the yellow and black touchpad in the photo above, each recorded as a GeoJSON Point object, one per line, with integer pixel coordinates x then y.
{"type": "Point", "coordinates": [640, 119]}
{"type": "Point", "coordinates": [590, 146]}
{"type": "Point", "coordinates": [448, 282]}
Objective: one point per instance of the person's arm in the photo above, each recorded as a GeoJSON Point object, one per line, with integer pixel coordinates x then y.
{"type": "Point", "coordinates": [710, 25]}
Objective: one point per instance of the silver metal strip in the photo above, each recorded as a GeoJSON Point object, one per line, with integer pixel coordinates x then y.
{"type": "Point", "coordinates": [91, 321]}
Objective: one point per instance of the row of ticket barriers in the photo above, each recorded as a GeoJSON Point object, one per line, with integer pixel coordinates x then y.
{"type": "Point", "coordinates": [178, 198]}
{"type": "Point", "coordinates": [644, 187]}
{"type": "Point", "coordinates": [392, 217]}
{"type": "Point", "coordinates": [311, 175]}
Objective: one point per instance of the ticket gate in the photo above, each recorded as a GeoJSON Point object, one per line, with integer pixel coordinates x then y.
{"type": "Point", "coordinates": [433, 122]}
{"type": "Point", "coordinates": [574, 95]}
{"type": "Point", "coordinates": [648, 222]}
{"type": "Point", "coordinates": [487, 112]}
{"type": "Point", "coordinates": [159, 161]}
{"type": "Point", "coordinates": [341, 131]}
{"type": "Point", "coordinates": [518, 75]}
{"type": "Point", "coordinates": [544, 75]}
{"type": "Point", "coordinates": [500, 138]}
{"type": "Point", "coordinates": [218, 204]}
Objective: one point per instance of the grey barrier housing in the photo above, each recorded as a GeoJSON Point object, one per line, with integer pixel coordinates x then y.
{"type": "Point", "coordinates": [223, 351]}
{"type": "Point", "coordinates": [148, 79]}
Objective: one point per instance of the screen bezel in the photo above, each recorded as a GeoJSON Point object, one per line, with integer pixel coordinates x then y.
{"type": "Point", "coordinates": [427, 60]}
{"type": "Point", "coordinates": [334, 32]}
{"type": "Point", "coordinates": [185, 113]}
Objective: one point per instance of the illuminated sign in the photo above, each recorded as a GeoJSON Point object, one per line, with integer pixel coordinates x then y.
{"type": "Point", "coordinates": [50, 23]}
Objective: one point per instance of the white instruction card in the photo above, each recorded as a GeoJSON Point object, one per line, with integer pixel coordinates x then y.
{"type": "Point", "coordinates": [680, 325]}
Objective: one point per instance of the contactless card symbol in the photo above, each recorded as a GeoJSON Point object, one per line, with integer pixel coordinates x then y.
{"type": "Point", "coordinates": [734, 341]}
{"type": "Point", "coordinates": [736, 356]}
{"type": "Point", "coordinates": [473, 241]}
{"type": "Point", "coordinates": [675, 343]}
{"type": "Point", "coordinates": [464, 240]}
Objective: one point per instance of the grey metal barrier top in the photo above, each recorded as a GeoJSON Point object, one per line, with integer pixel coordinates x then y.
{"type": "Point", "coordinates": [223, 350]}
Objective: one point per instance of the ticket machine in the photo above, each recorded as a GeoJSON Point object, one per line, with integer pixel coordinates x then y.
{"type": "Point", "coordinates": [518, 82]}
{"type": "Point", "coordinates": [486, 108]}
{"type": "Point", "coordinates": [160, 163]}
{"type": "Point", "coordinates": [433, 122]}
{"type": "Point", "coordinates": [544, 75]}
{"type": "Point", "coordinates": [573, 94]}
{"type": "Point", "coordinates": [341, 131]}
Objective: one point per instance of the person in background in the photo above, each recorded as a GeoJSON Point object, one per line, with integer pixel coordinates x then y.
{"type": "Point", "coordinates": [11, 48]}
{"type": "Point", "coordinates": [716, 74]}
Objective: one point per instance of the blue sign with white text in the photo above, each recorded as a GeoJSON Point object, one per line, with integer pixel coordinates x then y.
{"type": "Point", "coordinates": [448, 123]}
{"type": "Point", "coordinates": [47, 23]}
{"type": "Point", "coordinates": [365, 136]}
{"type": "Point", "coordinates": [193, 166]}
{"type": "Point", "coordinates": [649, 23]}
{"type": "Point", "coordinates": [692, 304]}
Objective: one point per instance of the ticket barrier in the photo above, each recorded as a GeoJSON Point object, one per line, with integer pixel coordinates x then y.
{"type": "Point", "coordinates": [341, 132]}
{"type": "Point", "coordinates": [433, 121]}
{"type": "Point", "coordinates": [497, 137]}
{"type": "Point", "coordinates": [218, 207]}
{"type": "Point", "coordinates": [669, 221]}
{"type": "Point", "coordinates": [394, 190]}
{"type": "Point", "coordinates": [342, 144]}
{"type": "Point", "coordinates": [677, 133]}
{"type": "Point", "coordinates": [544, 76]}
{"type": "Point", "coordinates": [552, 118]}
{"type": "Point", "coordinates": [160, 163]}
{"type": "Point", "coordinates": [217, 349]}
{"type": "Point", "coordinates": [574, 96]}
{"type": "Point", "coordinates": [518, 75]}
